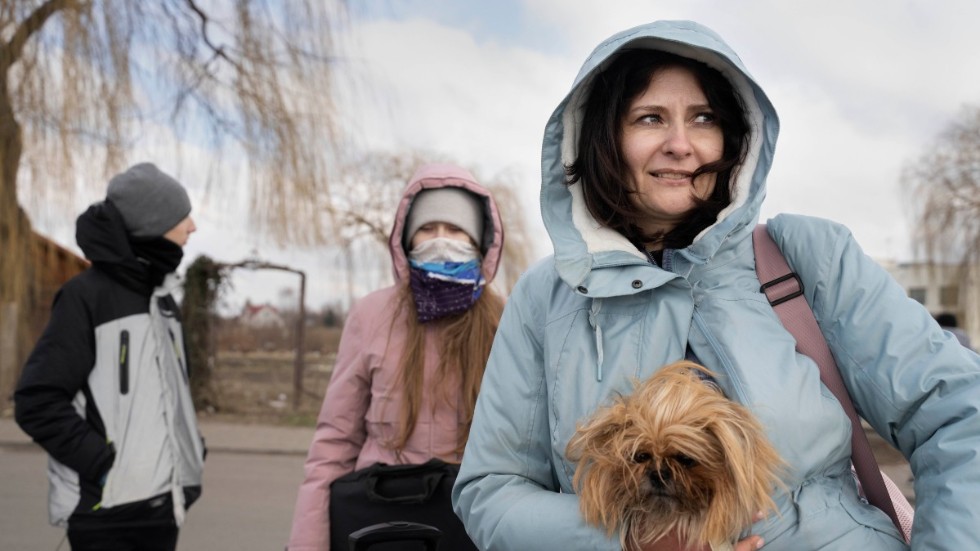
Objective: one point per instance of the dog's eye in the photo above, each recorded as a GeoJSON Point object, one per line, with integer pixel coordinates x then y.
{"type": "Point", "coordinates": [641, 457]}
{"type": "Point", "coordinates": [685, 461]}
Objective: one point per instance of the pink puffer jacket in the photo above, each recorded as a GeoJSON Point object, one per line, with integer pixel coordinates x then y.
{"type": "Point", "coordinates": [363, 402]}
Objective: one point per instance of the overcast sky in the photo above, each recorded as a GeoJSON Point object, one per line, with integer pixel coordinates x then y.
{"type": "Point", "coordinates": [861, 88]}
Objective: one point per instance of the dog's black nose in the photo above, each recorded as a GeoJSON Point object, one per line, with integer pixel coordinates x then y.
{"type": "Point", "coordinates": [660, 478]}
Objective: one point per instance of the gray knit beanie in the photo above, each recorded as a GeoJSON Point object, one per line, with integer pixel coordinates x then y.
{"type": "Point", "coordinates": [151, 202]}
{"type": "Point", "coordinates": [446, 204]}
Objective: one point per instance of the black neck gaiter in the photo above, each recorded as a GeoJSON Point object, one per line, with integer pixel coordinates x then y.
{"type": "Point", "coordinates": [158, 255]}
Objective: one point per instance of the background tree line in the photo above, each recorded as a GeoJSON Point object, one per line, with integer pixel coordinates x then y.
{"type": "Point", "coordinates": [942, 188]}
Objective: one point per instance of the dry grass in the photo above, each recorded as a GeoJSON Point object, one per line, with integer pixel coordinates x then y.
{"type": "Point", "coordinates": [257, 386]}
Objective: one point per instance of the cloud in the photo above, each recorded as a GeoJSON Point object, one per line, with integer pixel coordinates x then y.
{"type": "Point", "coordinates": [435, 88]}
{"type": "Point", "coordinates": [842, 170]}
{"type": "Point", "coordinates": [861, 89]}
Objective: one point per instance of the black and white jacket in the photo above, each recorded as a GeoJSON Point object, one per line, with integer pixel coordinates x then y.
{"type": "Point", "coordinates": [105, 391]}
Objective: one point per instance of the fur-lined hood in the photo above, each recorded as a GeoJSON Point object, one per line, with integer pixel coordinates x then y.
{"type": "Point", "coordinates": [581, 244]}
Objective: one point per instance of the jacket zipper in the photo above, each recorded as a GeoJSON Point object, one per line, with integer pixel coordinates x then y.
{"type": "Point", "coordinates": [124, 362]}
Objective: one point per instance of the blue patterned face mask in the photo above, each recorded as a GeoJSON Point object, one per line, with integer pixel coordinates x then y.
{"type": "Point", "coordinates": [445, 278]}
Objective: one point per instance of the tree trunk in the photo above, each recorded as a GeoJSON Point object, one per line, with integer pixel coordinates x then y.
{"type": "Point", "coordinates": [17, 286]}
{"type": "Point", "coordinates": [9, 352]}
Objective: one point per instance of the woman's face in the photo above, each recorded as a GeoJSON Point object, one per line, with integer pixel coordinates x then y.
{"type": "Point", "coordinates": [439, 229]}
{"type": "Point", "coordinates": [668, 132]}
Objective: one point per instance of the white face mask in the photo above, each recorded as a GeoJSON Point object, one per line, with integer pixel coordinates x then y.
{"type": "Point", "coordinates": [444, 249]}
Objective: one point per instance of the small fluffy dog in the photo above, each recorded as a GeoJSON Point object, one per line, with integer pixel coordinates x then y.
{"type": "Point", "coordinates": [674, 455]}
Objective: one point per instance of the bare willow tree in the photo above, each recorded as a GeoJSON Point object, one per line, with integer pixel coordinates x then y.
{"type": "Point", "coordinates": [81, 81]}
{"type": "Point", "coordinates": [518, 246]}
{"type": "Point", "coordinates": [943, 188]}
{"type": "Point", "coordinates": [362, 216]}
{"type": "Point", "coordinates": [364, 213]}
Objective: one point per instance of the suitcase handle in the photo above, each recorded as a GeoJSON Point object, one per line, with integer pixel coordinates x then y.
{"type": "Point", "coordinates": [427, 476]}
{"type": "Point", "coordinates": [364, 538]}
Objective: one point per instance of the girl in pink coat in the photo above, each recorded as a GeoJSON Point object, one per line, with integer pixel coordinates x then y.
{"type": "Point", "coordinates": [412, 355]}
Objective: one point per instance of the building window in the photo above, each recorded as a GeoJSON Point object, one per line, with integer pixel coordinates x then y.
{"type": "Point", "coordinates": [918, 294]}
{"type": "Point", "coordinates": [949, 295]}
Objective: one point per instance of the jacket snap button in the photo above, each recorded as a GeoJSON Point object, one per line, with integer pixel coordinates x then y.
{"type": "Point", "coordinates": [582, 289]}
{"type": "Point", "coordinates": [637, 284]}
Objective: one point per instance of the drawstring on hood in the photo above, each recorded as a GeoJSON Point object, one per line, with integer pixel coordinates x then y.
{"type": "Point", "coordinates": [597, 330]}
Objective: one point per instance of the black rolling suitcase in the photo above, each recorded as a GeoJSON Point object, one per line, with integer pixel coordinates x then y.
{"type": "Point", "coordinates": [401, 535]}
{"type": "Point", "coordinates": [397, 493]}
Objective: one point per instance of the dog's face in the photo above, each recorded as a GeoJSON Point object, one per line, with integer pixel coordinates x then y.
{"type": "Point", "coordinates": [674, 455]}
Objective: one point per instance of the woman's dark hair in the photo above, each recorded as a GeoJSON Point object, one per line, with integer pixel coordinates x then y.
{"type": "Point", "coordinates": [600, 165]}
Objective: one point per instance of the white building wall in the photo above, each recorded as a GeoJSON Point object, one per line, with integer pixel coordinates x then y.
{"type": "Point", "coordinates": [943, 288]}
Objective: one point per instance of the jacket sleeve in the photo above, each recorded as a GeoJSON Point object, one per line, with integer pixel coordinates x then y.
{"type": "Point", "coordinates": [339, 435]}
{"type": "Point", "coordinates": [56, 371]}
{"type": "Point", "coordinates": [914, 383]}
{"type": "Point", "coordinates": [506, 493]}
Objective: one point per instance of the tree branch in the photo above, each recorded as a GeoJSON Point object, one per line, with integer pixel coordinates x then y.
{"type": "Point", "coordinates": [379, 233]}
{"type": "Point", "coordinates": [12, 50]}
{"type": "Point", "coordinates": [219, 51]}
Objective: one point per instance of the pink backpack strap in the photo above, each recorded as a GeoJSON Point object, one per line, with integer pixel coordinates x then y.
{"type": "Point", "coordinates": [784, 289]}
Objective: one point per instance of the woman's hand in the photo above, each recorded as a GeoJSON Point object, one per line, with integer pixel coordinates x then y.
{"type": "Point", "coordinates": [670, 542]}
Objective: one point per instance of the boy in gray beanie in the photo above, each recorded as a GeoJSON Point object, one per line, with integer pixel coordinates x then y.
{"type": "Point", "coordinates": [150, 202]}
{"type": "Point", "coordinates": [123, 474]}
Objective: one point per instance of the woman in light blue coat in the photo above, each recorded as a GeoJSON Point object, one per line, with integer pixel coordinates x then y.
{"type": "Point", "coordinates": [654, 168]}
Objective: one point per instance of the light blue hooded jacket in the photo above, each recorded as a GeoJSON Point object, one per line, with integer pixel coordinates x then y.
{"type": "Point", "coordinates": [580, 325]}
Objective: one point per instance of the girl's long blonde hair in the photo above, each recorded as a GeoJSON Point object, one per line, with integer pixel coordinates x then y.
{"type": "Point", "coordinates": [465, 346]}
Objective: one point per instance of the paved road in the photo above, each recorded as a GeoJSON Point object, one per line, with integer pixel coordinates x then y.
{"type": "Point", "coordinates": [251, 477]}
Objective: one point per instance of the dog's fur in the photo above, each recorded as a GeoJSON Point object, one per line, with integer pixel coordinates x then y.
{"type": "Point", "coordinates": [674, 455]}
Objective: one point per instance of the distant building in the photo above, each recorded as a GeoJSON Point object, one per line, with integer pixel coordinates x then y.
{"type": "Point", "coordinates": [261, 316]}
{"type": "Point", "coordinates": [943, 288]}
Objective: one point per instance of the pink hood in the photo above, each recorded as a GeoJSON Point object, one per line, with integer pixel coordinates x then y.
{"type": "Point", "coordinates": [433, 176]}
